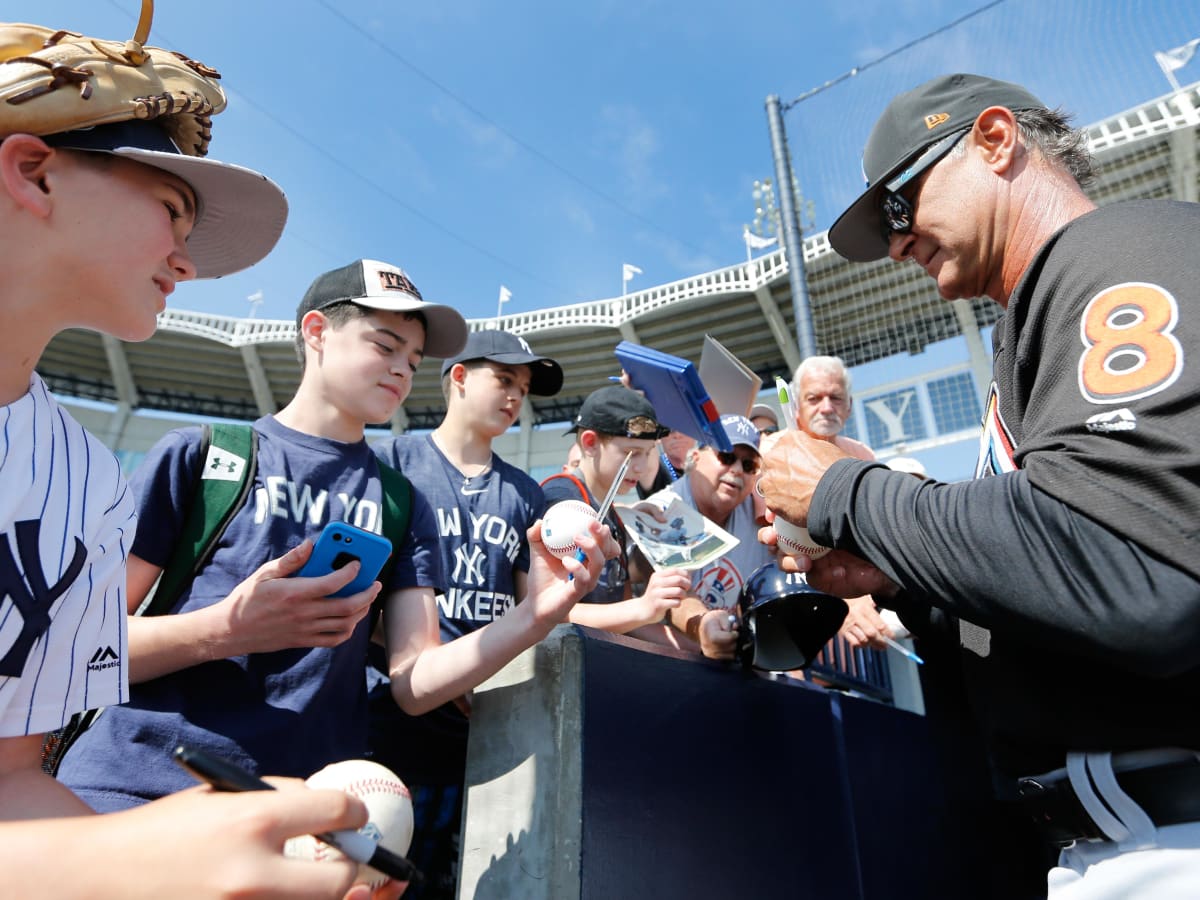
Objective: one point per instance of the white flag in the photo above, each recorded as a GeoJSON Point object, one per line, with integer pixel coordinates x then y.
{"type": "Point", "coordinates": [1178, 57]}
{"type": "Point", "coordinates": [757, 242]}
{"type": "Point", "coordinates": [505, 295]}
{"type": "Point", "coordinates": [629, 271]}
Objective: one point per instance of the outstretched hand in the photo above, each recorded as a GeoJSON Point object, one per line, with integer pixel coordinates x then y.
{"type": "Point", "coordinates": [557, 584]}
{"type": "Point", "coordinates": [838, 572]}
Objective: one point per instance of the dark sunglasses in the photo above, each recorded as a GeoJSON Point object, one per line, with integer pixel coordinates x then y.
{"type": "Point", "coordinates": [749, 466]}
{"type": "Point", "coordinates": [896, 210]}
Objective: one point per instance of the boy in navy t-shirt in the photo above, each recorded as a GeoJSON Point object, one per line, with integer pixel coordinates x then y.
{"type": "Point", "coordinates": [483, 507]}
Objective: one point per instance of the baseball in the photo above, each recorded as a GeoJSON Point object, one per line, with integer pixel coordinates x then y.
{"type": "Point", "coordinates": [389, 810]}
{"type": "Point", "coordinates": [562, 522]}
{"type": "Point", "coordinates": [794, 539]}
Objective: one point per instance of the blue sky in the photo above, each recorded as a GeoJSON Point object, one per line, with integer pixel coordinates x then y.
{"type": "Point", "coordinates": [542, 145]}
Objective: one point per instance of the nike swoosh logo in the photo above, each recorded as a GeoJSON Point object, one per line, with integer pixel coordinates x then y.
{"type": "Point", "coordinates": [467, 493]}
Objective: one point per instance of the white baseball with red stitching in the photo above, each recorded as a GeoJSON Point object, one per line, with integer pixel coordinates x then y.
{"type": "Point", "coordinates": [795, 540]}
{"type": "Point", "coordinates": [389, 812]}
{"type": "Point", "coordinates": [562, 522]}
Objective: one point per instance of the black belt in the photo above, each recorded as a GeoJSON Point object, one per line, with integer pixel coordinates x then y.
{"type": "Point", "coordinates": [1170, 794]}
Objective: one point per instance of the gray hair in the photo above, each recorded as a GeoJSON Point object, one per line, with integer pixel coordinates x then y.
{"type": "Point", "coordinates": [1050, 131]}
{"type": "Point", "coordinates": [829, 364]}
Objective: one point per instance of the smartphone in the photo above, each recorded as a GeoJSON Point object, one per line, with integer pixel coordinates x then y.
{"type": "Point", "coordinates": [341, 544]}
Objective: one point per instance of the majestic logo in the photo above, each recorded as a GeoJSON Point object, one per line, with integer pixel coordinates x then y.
{"type": "Point", "coordinates": [1117, 420]}
{"type": "Point", "coordinates": [31, 594]}
{"type": "Point", "coordinates": [397, 281]}
{"type": "Point", "coordinates": [103, 658]}
{"type": "Point", "coordinates": [936, 119]}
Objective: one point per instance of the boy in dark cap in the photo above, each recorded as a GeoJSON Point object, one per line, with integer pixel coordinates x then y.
{"type": "Point", "coordinates": [484, 508]}
{"type": "Point", "coordinates": [614, 422]}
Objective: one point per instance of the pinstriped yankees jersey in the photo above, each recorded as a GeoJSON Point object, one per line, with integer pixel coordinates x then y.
{"type": "Point", "coordinates": [67, 520]}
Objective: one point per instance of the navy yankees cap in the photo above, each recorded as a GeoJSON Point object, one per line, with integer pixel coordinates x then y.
{"type": "Point", "coordinates": [380, 285]}
{"type": "Point", "coordinates": [916, 130]}
{"type": "Point", "coordinates": [240, 213]}
{"type": "Point", "coordinates": [506, 348]}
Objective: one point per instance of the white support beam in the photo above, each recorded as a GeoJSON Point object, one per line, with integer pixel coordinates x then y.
{"type": "Point", "coordinates": [525, 445]}
{"type": "Point", "coordinates": [118, 365]}
{"type": "Point", "coordinates": [981, 360]}
{"type": "Point", "coordinates": [1184, 172]}
{"type": "Point", "coordinates": [399, 421]}
{"type": "Point", "coordinates": [783, 339]}
{"type": "Point", "coordinates": [263, 398]}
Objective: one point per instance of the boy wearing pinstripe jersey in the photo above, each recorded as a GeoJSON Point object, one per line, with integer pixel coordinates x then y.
{"type": "Point", "coordinates": [96, 229]}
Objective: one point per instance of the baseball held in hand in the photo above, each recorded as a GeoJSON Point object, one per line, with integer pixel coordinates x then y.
{"type": "Point", "coordinates": [795, 540]}
{"type": "Point", "coordinates": [562, 522]}
{"type": "Point", "coordinates": [389, 813]}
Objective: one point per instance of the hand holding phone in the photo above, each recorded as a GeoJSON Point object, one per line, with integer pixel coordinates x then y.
{"type": "Point", "coordinates": [341, 544]}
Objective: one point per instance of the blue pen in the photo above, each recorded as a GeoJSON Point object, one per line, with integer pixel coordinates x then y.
{"type": "Point", "coordinates": [900, 648]}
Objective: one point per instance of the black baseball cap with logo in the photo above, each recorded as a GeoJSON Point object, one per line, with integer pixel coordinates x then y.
{"type": "Point", "coordinates": [916, 130]}
{"type": "Point", "coordinates": [506, 348]}
{"type": "Point", "coordinates": [380, 285]}
{"type": "Point", "coordinates": [619, 411]}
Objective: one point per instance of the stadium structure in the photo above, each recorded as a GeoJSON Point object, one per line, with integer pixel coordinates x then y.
{"type": "Point", "coordinates": [878, 317]}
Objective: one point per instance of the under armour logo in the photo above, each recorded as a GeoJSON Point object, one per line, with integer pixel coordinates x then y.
{"type": "Point", "coordinates": [31, 595]}
{"type": "Point", "coordinates": [221, 465]}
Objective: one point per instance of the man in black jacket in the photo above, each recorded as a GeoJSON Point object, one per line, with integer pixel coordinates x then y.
{"type": "Point", "coordinates": [1069, 569]}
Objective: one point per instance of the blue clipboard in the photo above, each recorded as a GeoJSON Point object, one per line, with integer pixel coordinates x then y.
{"type": "Point", "coordinates": [674, 389]}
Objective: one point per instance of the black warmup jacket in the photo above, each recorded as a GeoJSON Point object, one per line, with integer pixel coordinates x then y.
{"type": "Point", "coordinates": [1070, 568]}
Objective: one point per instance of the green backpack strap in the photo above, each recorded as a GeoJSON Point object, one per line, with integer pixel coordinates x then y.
{"type": "Point", "coordinates": [228, 458]}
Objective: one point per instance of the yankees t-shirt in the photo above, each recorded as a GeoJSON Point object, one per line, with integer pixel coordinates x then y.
{"type": "Point", "coordinates": [67, 521]}
{"type": "Point", "coordinates": [289, 712]}
{"type": "Point", "coordinates": [481, 525]}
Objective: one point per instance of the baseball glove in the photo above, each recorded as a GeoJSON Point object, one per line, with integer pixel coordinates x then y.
{"type": "Point", "coordinates": [55, 81]}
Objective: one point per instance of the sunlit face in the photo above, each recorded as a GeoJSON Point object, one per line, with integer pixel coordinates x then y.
{"type": "Point", "coordinates": [953, 236]}
{"type": "Point", "coordinates": [605, 456]}
{"type": "Point", "coordinates": [823, 404]}
{"type": "Point", "coordinates": [493, 394]}
{"type": "Point", "coordinates": [720, 480]}
{"type": "Point", "coordinates": [127, 225]}
{"type": "Point", "coordinates": [366, 365]}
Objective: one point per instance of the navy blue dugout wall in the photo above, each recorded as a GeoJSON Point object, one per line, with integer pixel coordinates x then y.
{"type": "Point", "coordinates": [601, 768]}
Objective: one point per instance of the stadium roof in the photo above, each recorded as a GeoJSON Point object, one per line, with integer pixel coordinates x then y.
{"type": "Point", "coordinates": [242, 368]}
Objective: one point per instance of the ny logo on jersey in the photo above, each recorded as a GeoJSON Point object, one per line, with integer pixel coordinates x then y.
{"type": "Point", "coordinates": [468, 564]}
{"type": "Point", "coordinates": [31, 595]}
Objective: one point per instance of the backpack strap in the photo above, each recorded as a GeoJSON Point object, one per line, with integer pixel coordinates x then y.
{"type": "Point", "coordinates": [584, 493]}
{"type": "Point", "coordinates": [397, 504]}
{"type": "Point", "coordinates": [228, 459]}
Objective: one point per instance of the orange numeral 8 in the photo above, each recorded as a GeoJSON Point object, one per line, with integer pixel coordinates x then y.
{"type": "Point", "coordinates": [1130, 351]}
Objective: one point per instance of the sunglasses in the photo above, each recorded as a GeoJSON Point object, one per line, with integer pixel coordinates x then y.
{"type": "Point", "coordinates": [749, 465]}
{"type": "Point", "coordinates": [896, 211]}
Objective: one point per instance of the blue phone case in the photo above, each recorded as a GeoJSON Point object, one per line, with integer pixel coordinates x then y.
{"type": "Point", "coordinates": [341, 544]}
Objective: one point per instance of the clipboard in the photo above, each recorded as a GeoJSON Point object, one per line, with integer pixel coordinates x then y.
{"type": "Point", "coordinates": [732, 386]}
{"type": "Point", "coordinates": [675, 390]}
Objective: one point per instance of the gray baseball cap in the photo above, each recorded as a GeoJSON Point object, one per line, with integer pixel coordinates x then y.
{"type": "Point", "coordinates": [916, 130]}
{"type": "Point", "coordinates": [240, 213]}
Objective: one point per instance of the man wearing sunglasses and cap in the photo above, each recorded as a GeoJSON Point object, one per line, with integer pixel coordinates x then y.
{"type": "Point", "coordinates": [719, 486]}
{"type": "Point", "coordinates": [1070, 575]}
